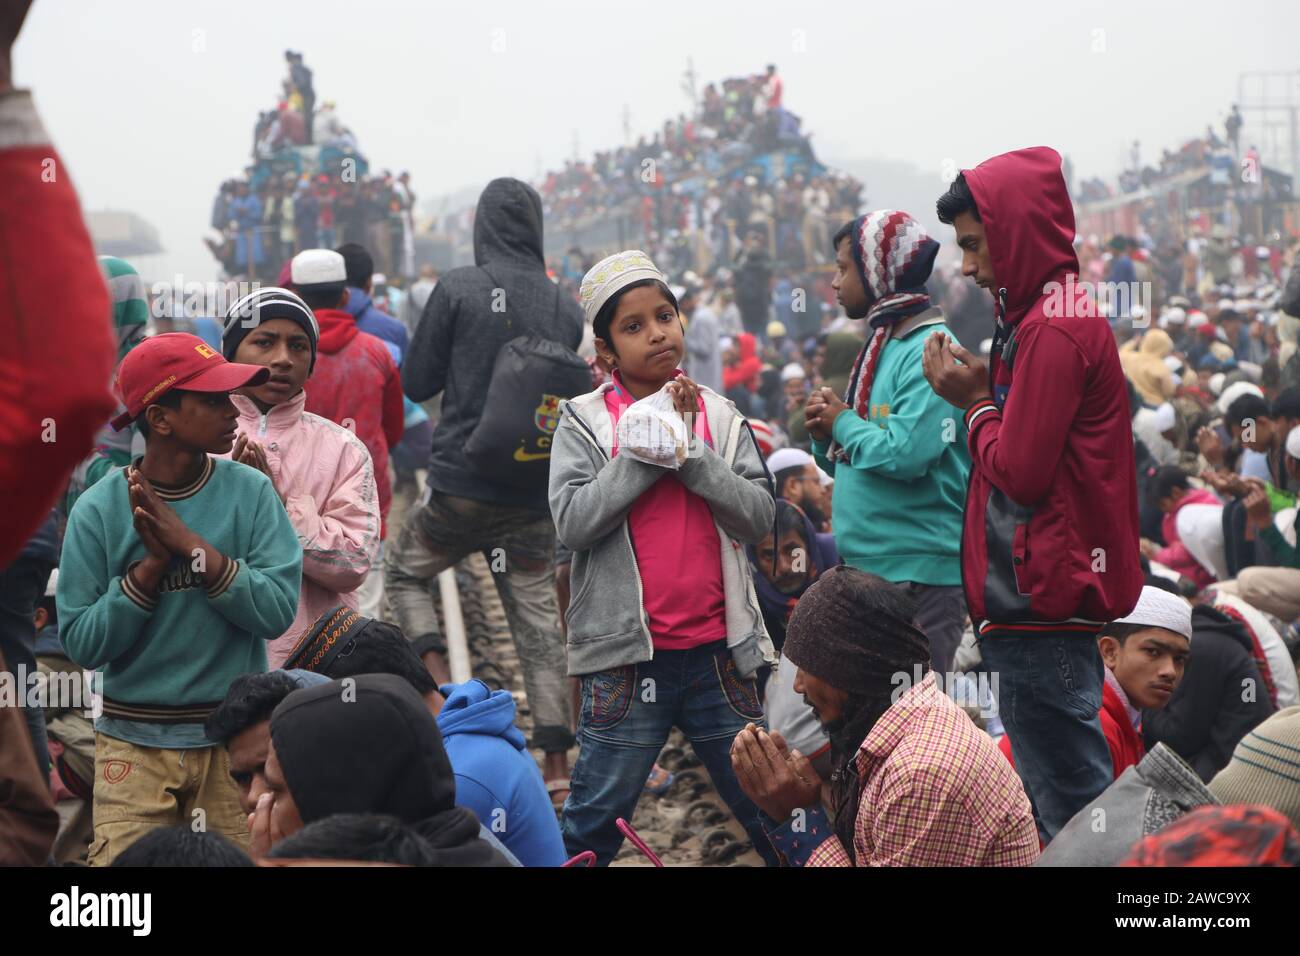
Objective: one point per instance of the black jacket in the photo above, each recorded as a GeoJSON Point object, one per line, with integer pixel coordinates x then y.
{"type": "Point", "coordinates": [1220, 699]}
{"type": "Point", "coordinates": [472, 312]}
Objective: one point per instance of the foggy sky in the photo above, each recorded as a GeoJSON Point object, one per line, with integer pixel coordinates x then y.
{"type": "Point", "coordinates": [152, 103]}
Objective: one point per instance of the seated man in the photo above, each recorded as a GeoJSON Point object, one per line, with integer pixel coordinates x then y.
{"type": "Point", "coordinates": [916, 783]}
{"type": "Point", "coordinates": [368, 746]}
{"type": "Point", "coordinates": [496, 777]}
{"type": "Point", "coordinates": [1144, 654]}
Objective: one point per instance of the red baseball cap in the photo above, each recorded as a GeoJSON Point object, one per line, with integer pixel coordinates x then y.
{"type": "Point", "coordinates": [161, 363]}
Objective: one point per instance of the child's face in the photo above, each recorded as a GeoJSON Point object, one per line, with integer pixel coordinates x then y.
{"type": "Point", "coordinates": [1148, 665]}
{"type": "Point", "coordinates": [205, 420]}
{"type": "Point", "coordinates": [284, 348]}
{"type": "Point", "coordinates": [646, 336]}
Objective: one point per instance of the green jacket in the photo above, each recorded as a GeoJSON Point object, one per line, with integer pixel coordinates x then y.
{"type": "Point", "coordinates": [899, 496]}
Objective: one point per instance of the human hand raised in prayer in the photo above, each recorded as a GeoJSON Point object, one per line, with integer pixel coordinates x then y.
{"type": "Point", "coordinates": [779, 780]}
{"type": "Point", "coordinates": [956, 375]}
{"type": "Point", "coordinates": [819, 415]}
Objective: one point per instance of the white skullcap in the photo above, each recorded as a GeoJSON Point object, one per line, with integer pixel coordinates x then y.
{"type": "Point", "coordinates": [1173, 363]}
{"type": "Point", "coordinates": [1216, 382]}
{"type": "Point", "coordinates": [785, 458]}
{"type": "Point", "coordinates": [1156, 607]}
{"type": "Point", "coordinates": [1234, 392]}
{"type": "Point", "coordinates": [1174, 315]}
{"type": "Point", "coordinates": [792, 371]}
{"type": "Point", "coordinates": [1196, 319]}
{"type": "Point", "coordinates": [317, 267]}
{"type": "Point", "coordinates": [54, 580]}
{"type": "Point", "coordinates": [1293, 442]}
{"type": "Point", "coordinates": [613, 273]}
{"type": "Point", "coordinates": [1165, 418]}
{"type": "Point", "coordinates": [826, 480]}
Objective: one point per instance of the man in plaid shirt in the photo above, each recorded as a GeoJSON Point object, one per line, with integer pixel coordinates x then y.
{"type": "Point", "coordinates": [916, 783]}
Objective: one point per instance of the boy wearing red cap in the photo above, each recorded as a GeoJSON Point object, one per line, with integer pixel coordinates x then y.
{"type": "Point", "coordinates": [171, 581]}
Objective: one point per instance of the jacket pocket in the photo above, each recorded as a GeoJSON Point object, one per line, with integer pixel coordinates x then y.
{"type": "Point", "coordinates": [1020, 557]}
{"type": "Point", "coordinates": [607, 697]}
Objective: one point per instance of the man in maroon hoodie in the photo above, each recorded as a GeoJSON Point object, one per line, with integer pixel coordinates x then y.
{"type": "Point", "coordinates": [1050, 541]}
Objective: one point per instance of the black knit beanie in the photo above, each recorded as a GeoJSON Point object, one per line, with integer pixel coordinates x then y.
{"type": "Point", "coordinates": [854, 631]}
{"type": "Point", "coordinates": [261, 305]}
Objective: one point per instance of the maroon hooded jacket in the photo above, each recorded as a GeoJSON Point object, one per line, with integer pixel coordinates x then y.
{"type": "Point", "coordinates": [1051, 525]}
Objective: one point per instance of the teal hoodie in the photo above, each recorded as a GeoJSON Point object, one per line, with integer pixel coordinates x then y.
{"type": "Point", "coordinates": [898, 499]}
{"type": "Point", "coordinates": [496, 777]}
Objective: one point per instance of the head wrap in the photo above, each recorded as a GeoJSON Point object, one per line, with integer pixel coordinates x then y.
{"type": "Point", "coordinates": [1156, 607]}
{"type": "Point", "coordinates": [333, 635]}
{"type": "Point", "coordinates": [130, 307]}
{"type": "Point", "coordinates": [894, 256]}
{"type": "Point", "coordinates": [841, 633]}
{"type": "Point", "coordinates": [1235, 835]}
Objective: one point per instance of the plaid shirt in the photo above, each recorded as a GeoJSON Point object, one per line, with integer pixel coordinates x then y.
{"type": "Point", "coordinates": [935, 792]}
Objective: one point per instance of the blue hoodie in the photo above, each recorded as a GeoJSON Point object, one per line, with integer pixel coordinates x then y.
{"type": "Point", "coordinates": [377, 323]}
{"type": "Point", "coordinates": [496, 776]}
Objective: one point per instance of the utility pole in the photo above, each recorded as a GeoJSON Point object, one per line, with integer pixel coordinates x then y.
{"type": "Point", "coordinates": [688, 81]}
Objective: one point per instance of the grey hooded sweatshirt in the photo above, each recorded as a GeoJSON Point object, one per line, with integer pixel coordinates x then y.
{"type": "Point", "coordinates": [471, 313]}
{"type": "Point", "coordinates": [591, 493]}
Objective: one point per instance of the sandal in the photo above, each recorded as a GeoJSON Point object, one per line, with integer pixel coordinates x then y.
{"type": "Point", "coordinates": [659, 781]}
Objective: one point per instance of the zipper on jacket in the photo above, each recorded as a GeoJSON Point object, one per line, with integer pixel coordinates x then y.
{"type": "Point", "coordinates": [261, 428]}
{"type": "Point", "coordinates": [627, 534]}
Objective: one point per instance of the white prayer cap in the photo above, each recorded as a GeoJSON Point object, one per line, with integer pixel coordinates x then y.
{"type": "Point", "coordinates": [1234, 392]}
{"type": "Point", "coordinates": [1293, 442]}
{"type": "Point", "coordinates": [1156, 607]}
{"type": "Point", "coordinates": [317, 267]}
{"type": "Point", "coordinates": [792, 371]}
{"type": "Point", "coordinates": [784, 458]}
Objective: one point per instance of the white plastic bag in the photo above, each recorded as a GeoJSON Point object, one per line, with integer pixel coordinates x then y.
{"type": "Point", "coordinates": [651, 430]}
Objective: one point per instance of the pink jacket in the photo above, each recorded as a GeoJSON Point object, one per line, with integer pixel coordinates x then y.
{"type": "Point", "coordinates": [325, 476]}
{"type": "Point", "coordinates": [1175, 554]}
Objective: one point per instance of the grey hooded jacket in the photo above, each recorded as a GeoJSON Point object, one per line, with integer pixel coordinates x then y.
{"type": "Point", "coordinates": [591, 493]}
{"type": "Point", "coordinates": [471, 313]}
{"type": "Point", "coordinates": [1144, 798]}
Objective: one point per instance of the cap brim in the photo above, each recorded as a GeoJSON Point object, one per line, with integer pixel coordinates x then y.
{"type": "Point", "coordinates": [226, 377]}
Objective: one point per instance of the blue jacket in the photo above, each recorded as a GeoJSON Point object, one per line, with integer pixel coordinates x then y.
{"type": "Point", "coordinates": [379, 324]}
{"type": "Point", "coordinates": [496, 776]}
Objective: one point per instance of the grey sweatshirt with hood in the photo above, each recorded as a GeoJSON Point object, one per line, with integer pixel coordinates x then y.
{"type": "Point", "coordinates": [471, 313]}
{"type": "Point", "coordinates": [592, 490]}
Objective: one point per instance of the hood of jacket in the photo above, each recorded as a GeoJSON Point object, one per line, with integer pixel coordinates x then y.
{"type": "Point", "coordinates": [508, 225]}
{"type": "Point", "coordinates": [1206, 618]}
{"type": "Point", "coordinates": [1028, 223]}
{"type": "Point", "coordinates": [326, 746]}
{"type": "Point", "coordinates": [822, 556]}
{"type": "Point", "coordinates": [337, 329]}
{"type": "Point", "coordinates": [473, 708]}
{"type": "Point", "coordinates": [1156, 343]}
{"type": "Point", "coordinates": [358, 301]}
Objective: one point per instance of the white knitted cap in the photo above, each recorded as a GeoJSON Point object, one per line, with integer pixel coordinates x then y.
{"type": "Point", "coordinates": [1156, 607]}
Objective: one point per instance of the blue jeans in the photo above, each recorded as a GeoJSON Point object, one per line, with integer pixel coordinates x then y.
{"type": "Point", "coordinates": [627, 714]}
{"type": "Point", "coordinates": [1049, 695]}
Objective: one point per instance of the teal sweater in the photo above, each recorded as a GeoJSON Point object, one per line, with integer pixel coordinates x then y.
{"type": "Point", "coordinates": [172, 656]}
{"type": "Point", "coordinates": [898, 499]}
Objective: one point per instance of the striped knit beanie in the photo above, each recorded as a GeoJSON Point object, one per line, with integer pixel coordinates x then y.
{"type": "Point", "coordinates": [130, 307]}
{"type": "Point", "coordinates": [1265, 767]}
{"type": "Point", "coordinates": [261, 305]}
{"type": "Point", "coordinates": [841, 632]}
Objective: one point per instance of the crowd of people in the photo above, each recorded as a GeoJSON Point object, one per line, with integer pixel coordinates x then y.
{"type": "Point", "coordinates": [910, 603]}
{"type": "Point", "coordinates": [309, 186]}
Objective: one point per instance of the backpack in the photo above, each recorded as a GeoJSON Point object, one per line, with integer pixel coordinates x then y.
{"type": "Point", "coordinates": [531, 376]}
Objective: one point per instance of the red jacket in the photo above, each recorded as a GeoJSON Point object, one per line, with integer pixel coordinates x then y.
{"type": "Point", "coordinates": [1125, 743]}
{"type": "Point", "coordinates": [748, 368]}
{"type": "Point", "coordinates": [356, 380]}
{"type": "Point", "coordinates": [58, 350]}
{"type": "Point", "coordinates": [1051, 527]}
